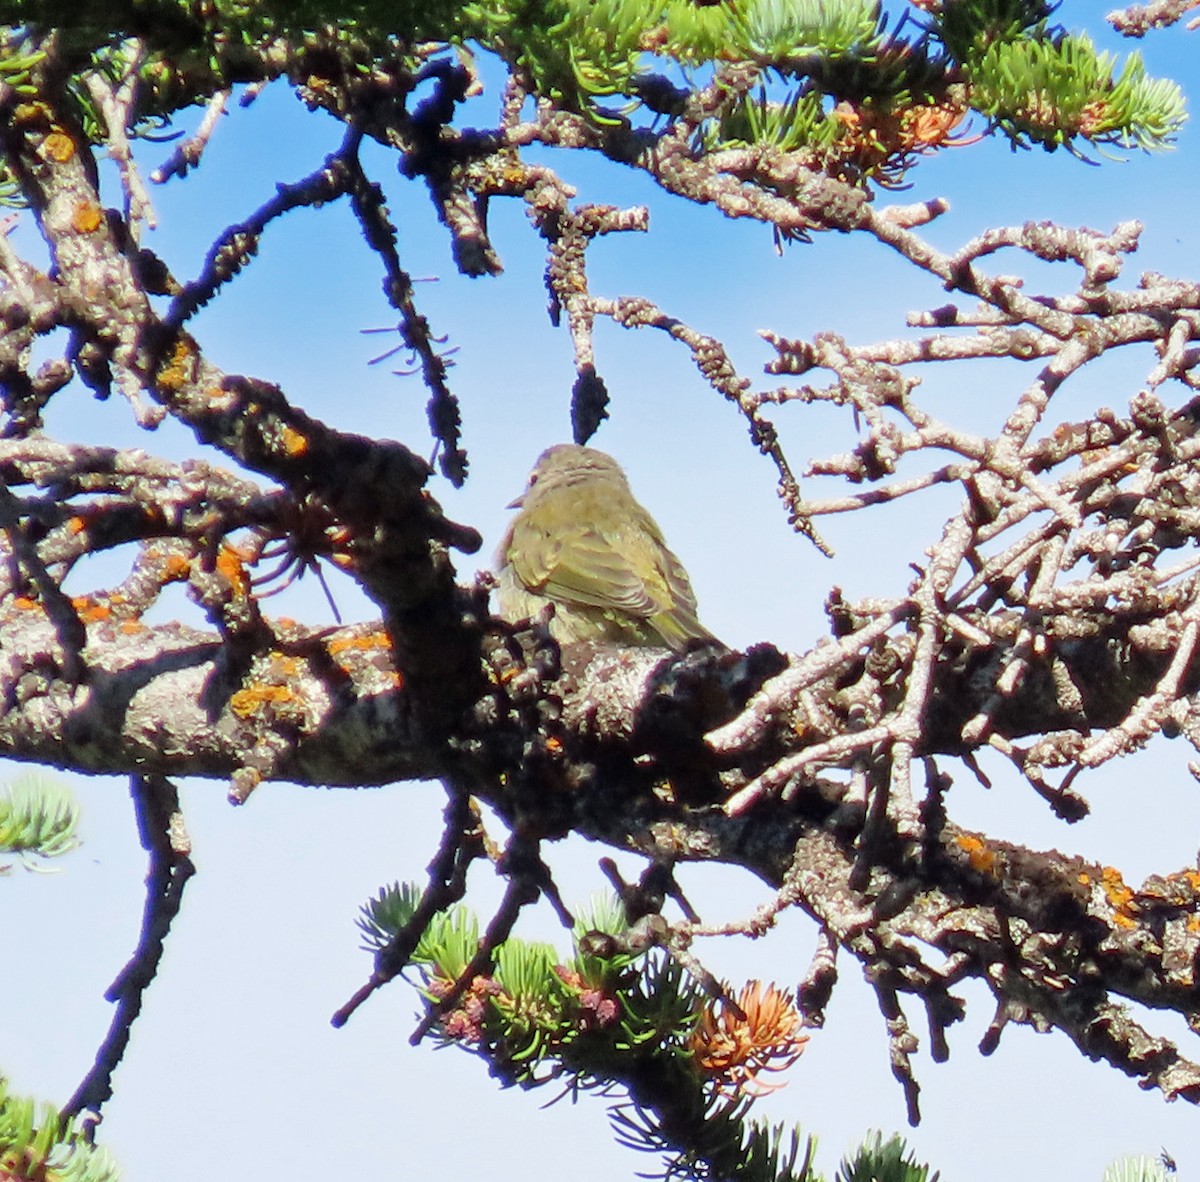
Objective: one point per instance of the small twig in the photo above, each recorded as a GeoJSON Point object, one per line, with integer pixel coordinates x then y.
{"type": "Point", "coordinates": [461, 844]}
{"type": "Point", "coordinates": [1138, 19]}
{"type": "Point", "coordinates": [116, 105]}
{"type": "Point", "coordinates": [188, 152]}
{"type": "Point", "coordinates": [445, 419]}
{"type": "Point", "coordinates": [234, 249]}
{"type": "Point", "coordinates": [901, 1044]}
{"type": "Point", "coordinates": [160, 828]}
{"type": "Point", "coordinates": [26, 563]}
{"type": "Point", "coordinates": [776, 696]}
{"type": "Point", "coordinates": [519, 894]}
{"type": "Point", "coordinates": [1146, 717]}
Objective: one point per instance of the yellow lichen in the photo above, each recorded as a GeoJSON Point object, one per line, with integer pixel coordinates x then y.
{"type": "Point", "coordinates": [87, 217]}
{"type": "Point", "coordinates": [24, 114]}
{"type": "Point", "coordinates": [1119, 896]}
{"type": "Point", "coordinates": [59, 147]}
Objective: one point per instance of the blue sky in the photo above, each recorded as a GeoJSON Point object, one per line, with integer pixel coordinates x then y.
{"type": "Point", "coordinates": [233, 1062]}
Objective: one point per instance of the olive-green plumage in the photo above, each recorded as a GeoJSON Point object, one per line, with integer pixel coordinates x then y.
{"type": "Point", "coordinates": [583, 543]}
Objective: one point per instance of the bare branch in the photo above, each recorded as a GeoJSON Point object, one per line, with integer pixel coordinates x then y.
{"type": "Point", "coordinates": [160, 826]}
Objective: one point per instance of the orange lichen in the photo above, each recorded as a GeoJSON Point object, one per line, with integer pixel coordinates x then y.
{"type": "Point", "coordinates": [176, 568]}
{"type": "Point", "coordinates": [176, 370]}
{"type": "Point", "coordinates": [132, 627]}
{"type": "Point", "coordinates": [1118, 894]}
{"type": "Point", "coordinates": [1097, 455]}
{"type": "Point", "coordinates": [285, 666]}
{"type": "Point", "coordinates": [248, 701]}
{"type": "Point", "coordinates": [1116, 890]}
{"type": "Point", "coordinates": [89, 610]}
{"type": "Point", "coordinates": [59, 147]}
{"type": "Point", "coordinates": [87, 217]}
{"type": "Point", "coordinates": [733, 1048]}
{"type": "Point", "coordinates": [77, 525]}
{"type": "Point", "coordinates": [372, 640]}
{"type": "Point", "coordinates": [294, 443]}
{"type": "Point", "coordinates": [1192, 878]}
{"type": "Point", "coordinates": [231, 564]}
{"type": "Point", "coordinates": [24, 603]}
{"type": "Point", "coordinates": [980, 857]}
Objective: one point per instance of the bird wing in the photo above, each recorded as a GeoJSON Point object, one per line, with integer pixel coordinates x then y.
{"type": "Point", "coordinates": [613, 563]}
{"type": "Point", "coordinates": [590, 565]}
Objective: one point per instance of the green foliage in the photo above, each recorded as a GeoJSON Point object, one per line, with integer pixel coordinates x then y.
{"type": "Point", "coordinates": [16, 68]}
{"type": "Point", "coordinates": [725, 1145]}
{"type": "Point", "coordinates": [695, 35]}
{"type": "Point", "coordinates": [581, 50]}
{"type": "Point", "coordinates": [605, 1016]}
{"type": "Point", "coordinates": [1033, 83]}
{"type": "Point", "coordinates": [532, 1007]}
{"type": "Point", "coordinates": [16, 72]}
{"type": "Point", "coordinates": [38, 817]}
{"type": "Point", "coordinates": [969, 27]}
{"type": "Point", "coordinates": [1054, 92]}
{"type": "Point", "coordinates": [610, 1017]}
{"type": "Point", "coordinates": [877, 1160]}
{"type": "Point", "coordinates": [800, 122]}
{"type": "Point", "coordinates": [447, 944]}
{"type": "Point", "coordinates": [775, 32]}
{"type": "Point", "coordinates": [1137, 1169]}
{"type": "Point", "coordinates": [37, 1145]}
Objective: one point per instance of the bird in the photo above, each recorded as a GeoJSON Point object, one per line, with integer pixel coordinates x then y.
{"type": "Point", "coordinates": [582, 542]}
